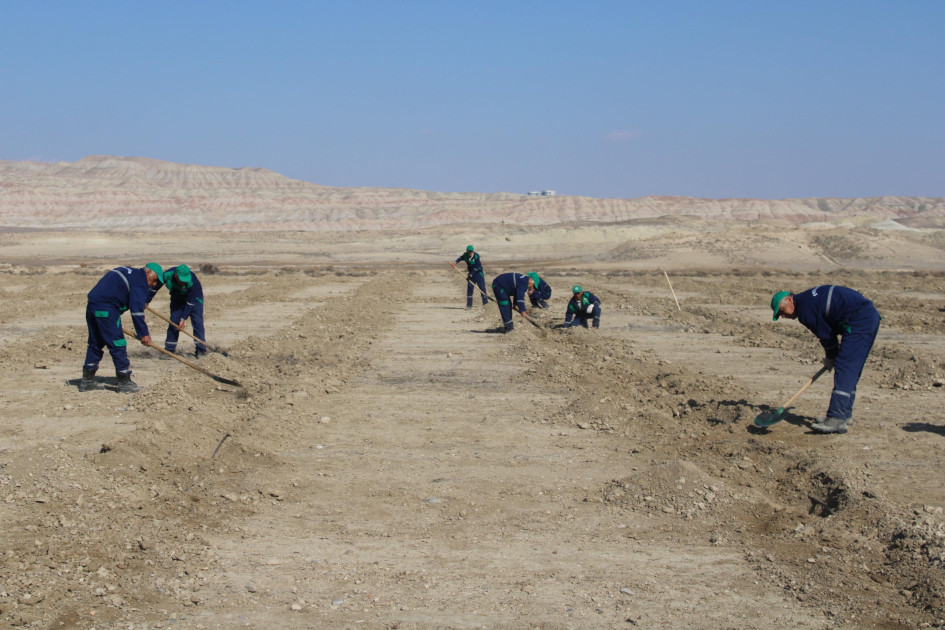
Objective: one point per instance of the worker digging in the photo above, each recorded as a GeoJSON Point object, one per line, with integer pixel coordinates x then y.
{"type": "Point", "coordinates": [474, 275]}
{"type": "Point", "coordinates": [846, 323]}
{"type": "Point", "coordinates": [119, 290]}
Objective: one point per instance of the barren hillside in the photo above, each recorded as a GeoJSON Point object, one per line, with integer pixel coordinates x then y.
{"type": "Point", "coordinates": [104, 192]}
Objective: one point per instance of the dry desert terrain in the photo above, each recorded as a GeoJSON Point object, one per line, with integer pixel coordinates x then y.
{"type": "Point", "coordinates": [390, 462]}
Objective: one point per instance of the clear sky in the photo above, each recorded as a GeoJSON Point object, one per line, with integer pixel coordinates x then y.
{"type": "Point", "coordinates": [705, 98]}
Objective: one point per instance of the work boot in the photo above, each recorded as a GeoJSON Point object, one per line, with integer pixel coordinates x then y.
{"type": "Point", "coordinates": [198, 354]}
{"type": "Point", "coordinates": [830, 425]}
{"type": "Point", "coordinates": [126, 385]}
{"type": "Point", "coordinates": [88, 383]}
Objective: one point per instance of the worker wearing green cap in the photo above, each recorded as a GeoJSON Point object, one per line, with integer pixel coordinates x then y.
{"type": "Point", "coordinates": [846, 323]}
{"type": "Point", "coordinates": [474, 275]}
{"type": "Point", "coordinates": [119, 290]}
{"type": "Point", "coordinates": [582, 307]}
{"type": "Point", "coordinates": [186, 303]}
{"type": "Point", "coordinates": [540, 293]}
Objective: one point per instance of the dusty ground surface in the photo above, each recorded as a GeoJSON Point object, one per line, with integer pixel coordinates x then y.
{"type": "Point", "coordinates": [392, 464]}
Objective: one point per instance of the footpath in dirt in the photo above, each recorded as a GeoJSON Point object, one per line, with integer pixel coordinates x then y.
{"type": "Point", "coordinates": [392, 463]}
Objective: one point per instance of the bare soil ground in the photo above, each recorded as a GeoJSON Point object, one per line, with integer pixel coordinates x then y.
{"type": "Point", "coordinates": [392, 464]}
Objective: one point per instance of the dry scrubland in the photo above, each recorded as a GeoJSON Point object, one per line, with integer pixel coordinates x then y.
{"type": "Point", "coordinates": [390, 464]}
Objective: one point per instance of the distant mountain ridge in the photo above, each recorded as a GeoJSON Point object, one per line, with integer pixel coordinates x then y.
{"type": "Point", "coordinates": [131, 193]}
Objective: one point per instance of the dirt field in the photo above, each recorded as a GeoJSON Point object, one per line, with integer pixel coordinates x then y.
{"type": "Point", "coordinates": [392, 464]}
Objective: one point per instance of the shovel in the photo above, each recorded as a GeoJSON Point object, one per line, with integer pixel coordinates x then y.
{"type": "Point", "coordinates": [533, 322]}
{"type": "Point", "coordinates": [218, 379]}
{"type": "Point", "coordinates": [209, 347]}
{"type": "Point", "coordinates": [767, 418]}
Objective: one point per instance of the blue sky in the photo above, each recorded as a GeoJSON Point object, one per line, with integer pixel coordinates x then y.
{"type": "Point", "coordinates": [707, 98]}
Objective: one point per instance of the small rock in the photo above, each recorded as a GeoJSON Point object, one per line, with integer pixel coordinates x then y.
{"type": "Point", "coordinates": [626, 591]}
{"type": "Point", "coordinates": [296, 607]}
{"type": "Point", "coordinates": [251, 587]}
{"type": "Point", "coordinates": [337, 602]}
{"type": "Point", "coordinates": [433, 500]}
{"type": "Point", "coordinates": [324, 420]}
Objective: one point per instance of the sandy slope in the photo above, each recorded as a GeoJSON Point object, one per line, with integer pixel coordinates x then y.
{"type": "Point", "coordinates": [109, 193]}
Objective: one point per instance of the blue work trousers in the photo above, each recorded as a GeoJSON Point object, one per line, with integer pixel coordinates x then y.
{"type": "Point", "coordinates": [854, 347]}
{"type": "Point", "coordinates": [196, 325]}
{"type": "Point", "coordinates": [104, 324]}
{"type": "Point", "coordinates": [505, 306]}
{"type": "Point", "coordinates": [480, 281]}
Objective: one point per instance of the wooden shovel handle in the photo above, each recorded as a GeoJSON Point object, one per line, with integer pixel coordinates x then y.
{"type": "Point", "coordinates": [819, 373]}
{"type": "Point", "coordinates": [190, 364]}
{"type": "Point", "coordinates": [472, 283]}
{"type": "Point", "coordinates": [176, 326]}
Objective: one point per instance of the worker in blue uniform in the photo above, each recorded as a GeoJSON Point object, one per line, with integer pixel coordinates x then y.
{"type": "Point", "coordinates": [540, 293]}
{"type": "Point", "coordinates": [582, 307]}
{"type": "Point", "coordinates": [474, 275]}
{"type": "Point", "coordinates": [510, 290]}
{"type": "Point", "coordinates": [119, 290]}
{"type": "Point", "coordinates": [832, 312]}
{"type": "Point", "coordinates": [186, 303]}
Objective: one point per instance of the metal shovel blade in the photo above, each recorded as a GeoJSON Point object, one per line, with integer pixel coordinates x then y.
{"type": "Point", "coordinates": [769, 417]}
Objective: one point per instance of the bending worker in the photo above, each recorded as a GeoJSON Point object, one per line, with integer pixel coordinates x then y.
{"type": "Point", "coordinates": [540, 293]}
{"type": "Point", "coordinates": [119, 290]}
{"type": "Point", "coordinates": [474, 275]}
{"type": "Point", "coordinates": [583, 306]}
{"type": "Point", "coordinates": [509, 288]}
{"type": "Point", "coordinates": [186, 303]}
{"type": "Point", "coordinates": [831, 311]}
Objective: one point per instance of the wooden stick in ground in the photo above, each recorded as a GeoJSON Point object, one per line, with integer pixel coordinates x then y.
{"type": "Point", "coordinates": [488, 299]}
{"type": "Point", "coordinates": [219, 379]}
{"type": "Point", "coordinates": [209, 347]}
{"type": "Point", "coordinates": [671, 289]}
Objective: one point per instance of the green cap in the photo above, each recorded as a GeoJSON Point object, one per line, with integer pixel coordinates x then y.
{"type": "Point", "coordinates": [576, 289]}
{"type": "Point", "coordinates": [534, 277]}
{"type": "Point", "coordinates": [470, 248]}
{"type": "Point", "coordinates": [776, 303]}
{"type": "Point", "coordinates": [156, 268]}
{"type": "Point", "coordinates": [183, 274]}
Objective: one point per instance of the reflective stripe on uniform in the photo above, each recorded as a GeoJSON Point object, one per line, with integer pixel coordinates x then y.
{"type": "Point", "coordinates": [839, 393]}
{"type": "Point", "coordinates": [127, 284]}
{"type": "Point", "coordinates": [829, 296]}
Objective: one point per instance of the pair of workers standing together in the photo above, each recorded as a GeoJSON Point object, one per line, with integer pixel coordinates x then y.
{"type": "Point", "coordinates": [131, 289]}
